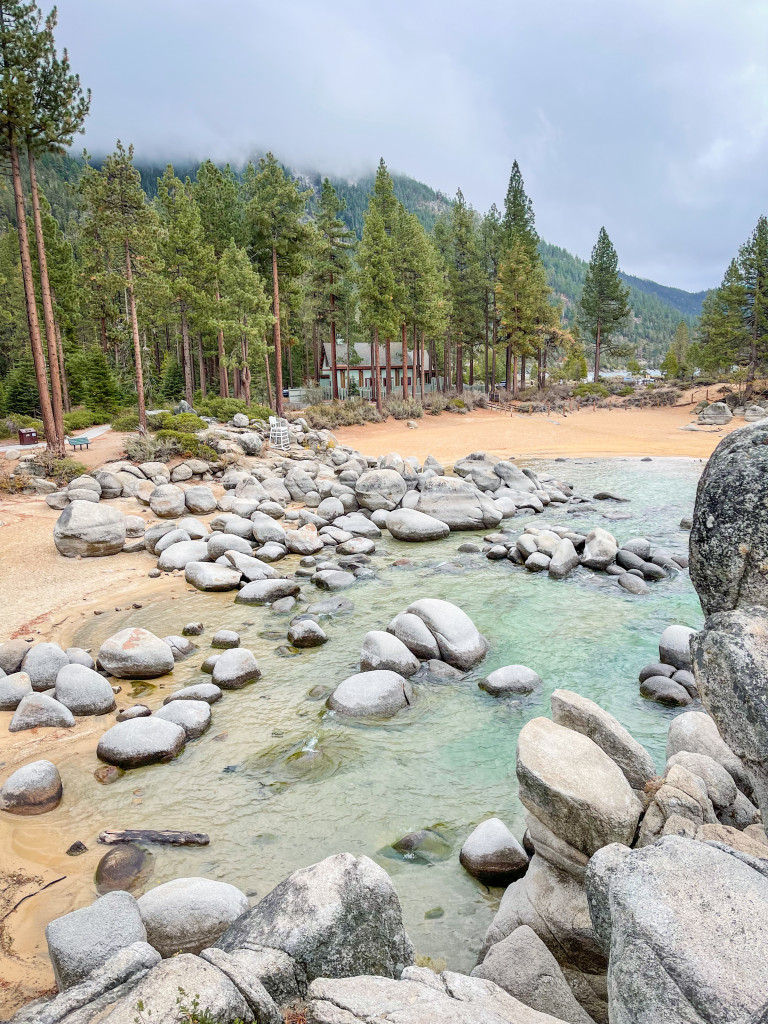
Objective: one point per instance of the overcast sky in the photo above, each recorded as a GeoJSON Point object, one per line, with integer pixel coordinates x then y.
{"type": "Point", "coordinates": [647, 116]}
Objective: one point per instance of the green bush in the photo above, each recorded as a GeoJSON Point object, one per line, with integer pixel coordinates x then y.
{"type": "Point", "coordinates": [59, 470]}
{"type": "Point", "coordinates": [92, 382]}
{"type": "Point", "coordinates": [436, 403]}
{"type": "Point", "coordinates": [224, 409]}
{"type": "Point", "coordinates": [341, 414]}
{"type": "Point", "coordinates": [587, 389]}
{"type": "Point", "coordinates": [127, 420]}
{"type": "Point", "coordinates": [81, 419]}
{"type": "Point", "coordinates": [186, 422]}
{"type": "Point", "coordinates": [456, 405]}
{"type": "Point", "coordinates": [188, 444]}
{"type": "Point", "coordinates": [9, 425]}
{"type": "Point", "coordinates": [151, 449]}
{"type": "Point", "coordinates": [626, 391]}
{"type": "Point", "coordinates": [21, 395]}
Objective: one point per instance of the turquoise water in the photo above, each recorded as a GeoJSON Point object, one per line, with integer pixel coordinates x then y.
{"type": "Point", "coordinates": [279, 782]}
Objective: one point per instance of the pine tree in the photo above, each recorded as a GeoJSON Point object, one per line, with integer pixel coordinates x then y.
{"type": "Point", "coordinates": [465, 284]}
{"type": "Point", "coordinates": [332, 257]}
{"type": "Point", "coordinates": [22, 48]}
{"type": "Point", "coordinates": [244, 312]}
{"type": "Point", "coordinates": [58, 114]}
{"type": "Point", "coordinates": [604, 305]}
{"type": "Point", "coordinates": [490, 253]}
{"type": "Point", "coordinates": [680, 348]}
{"type": "Point", "coordinates": [753, 262]}
{"type": "Point", "coordinates": [221, 213]}
{"type": "Point", "coordinates": [122, 233]}
{"type": "Point", "coordinates": [188, 262]}
{"type": "Point", "coordinates": [14, 336]}
{"type": "Point", "coordinates": [279, 237]}
{"type": "Point", "coordinates": [523, 297]}
{"type": "Point", "coordinates": [376, 287]}
{"type": "Point", "coordinates": [722, 336]}
{"type": "Point", "coordinates": [518, 221]}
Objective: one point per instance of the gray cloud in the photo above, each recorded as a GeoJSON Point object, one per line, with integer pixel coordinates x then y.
{"type": "Point", "coordinates": [648, 116]}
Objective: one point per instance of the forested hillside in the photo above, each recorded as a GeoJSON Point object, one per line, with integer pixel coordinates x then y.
{"type": "Point", "coordinates": [654, 319]}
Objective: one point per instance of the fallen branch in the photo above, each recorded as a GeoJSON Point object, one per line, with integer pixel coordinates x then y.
{"type": "Point", "coordinates": [31, 894]}
{"type": "Point", "coordinates": [150, 835]}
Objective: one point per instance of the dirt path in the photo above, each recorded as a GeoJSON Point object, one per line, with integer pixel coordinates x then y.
{"type": "Point", "coordinates": [599, 432]}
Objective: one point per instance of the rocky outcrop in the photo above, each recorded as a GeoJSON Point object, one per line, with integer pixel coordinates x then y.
{"type": "Point", "coordinates": [411, 525]}
{"type": "Point", "coordinates": [187, 914]}
{"type": "Point", "coordinates": [653, 914]}
{"type": "Point", "coordinates": [458, 504]}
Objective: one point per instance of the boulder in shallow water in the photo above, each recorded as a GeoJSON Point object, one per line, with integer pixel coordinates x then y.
{"type": "Point", "coordinates": [135, 653]}
{"type": "Point", "coordinates": [194, 716]}
{"type": "Point", "coordinates": [141, 741]}
{"type": "Point", "coordinates": [122, 868]}
{"type": "Point", "coordinates": [378, 694]}
{"type": "Point", "coordinates": [211, 576]}
{"type": "Point", "coordinates": [600, 549]}
{"type": "Point", "coordinates": [208, 692]}
{"type": "Point", "coordinates": [33, 789]}
{"type": "Point", "coordinates": [306, 633]}
{"type": "Point", "coordinates": [458, 504]}
{"type": "Point", "coordinates": [511, 680]}
{"type": "Point", "coordinates": [187, 914]}
{"type": "Point", "coordinates": [338, 918]}
{"type": "Point", "coordinates": [459, 641]}
{"type": "Point", "coordinates": [415, 634]}
{"type": "Point", "coordinates": [235, 668]}
{"type": "Point", "coordinates": [409, 524]}
{"type": "Point", "coordinates": [492, 854]}
{"type": "Point", "coordinates": [88, 530]}
{"type": "Point", "coordinates": [267, 591]}
{"type": "Point", "coordinates": [674, 646]}
{"type": "Point", "coordinates": [384, 651]}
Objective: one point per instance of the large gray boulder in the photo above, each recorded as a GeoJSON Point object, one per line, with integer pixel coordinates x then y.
{"type": "Point", "coordinates": [252, 568]}
{"type": "Point", "coordinates": [716, 414]}
{"type": "Point", "coordinates": [194, 716]}
{"type": "Point", "coordinates": [82, 941]}
{"type": "Point", "coordinates": [266, 530]}
{"type": "Point", "coordinates": [12, 653]}
{"type": "Point", "coordinates": [178, 555]}
{"type": "Point", "coordinates": [697, 732]}
{"type": "Point", "coordinates": [135, 653]}
{"type": "Point", "coordinates": [199, 499]}
{"type": "Point", "coordinates": [600, 549]}
{"type": "Point", "coordinates": [38, 711]}
{"type": "Point", "coordinates": [522, 965]}
{"type": "Point", "coordinates": [492, 854]}
{"type": "Point", "coordinates": [211, 576]}
{"type": "Point", "coordinates": [380, 488]}
{"type": "Point", "coordinates": [379, 694]}
{"type": "Point", "coordinates": [84, 691]}
{"type": "Point", "coordinates": [573, 711]}
{"type": "Point", "coordinates": [415, 634]}
{"type": "Point", "coordinates": [33, 789]}
{"type": "Point", "coordinates": [140, 741]}
{"type": "Point", "coordinates": [42, 664]}
{"type": "Point", "coordinates": [420, 997]}
{"type": "Point", "coordinates": [458, 504]}
{"type": "Point", "coordinates": [569, 784]}
{"type": "Point", "coordinates": [411, 525]}
{"type": "Point", "coordinates": [13, 689]}
{"type": "Point", "coordinates": [167, 501]}
{"type": "Point", "coordinates": [338, 918]}
{"type": "Point", "coordinates": [458, 639]}
{"type": "Point", "coordinates": [564, 559]}
{"type": "Point", "coordinates": [266, 591]}
{"type": "Point", "coordinates": [235, 668]}
{"type": "Point", "coordinates": [653, 911]}
{"type": "Point", "coordinates": [729, 537]}
{"type": "Point", "coordinates": [187, 914]}
{"type": "Point", "coordinates": [721, 789]}
{"type": "Point", "coordinates": [384, 651]}
{"type": "Point", "coordinates": [731, 668]}
{"type": "Point", "coordinates": [674, 646]}
{"type": "Point", "coordinates": [89, 531]}
{"type": "Point", "coordinates": [510, 680]}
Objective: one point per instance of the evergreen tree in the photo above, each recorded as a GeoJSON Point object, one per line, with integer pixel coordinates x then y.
{"type": "Point", "coordinates": [490, 252]}
{"type": "Point", "coordinates": [680, 347]}
{"type": "Point", "coordinates": [753, 262]}
{"type": "Point", "coordinates": [376, 287]}
{"type": "Point", "coordinates": [465, 284]}
{"type": "Point", "coordinates": [518, 221]}
{"type": "Point", "coordinates": [332, 256]}
{"type": "Point", "coordinates": [221, 214]}
{"type": "Point", "coordinates": [22, 49]}
{"type": "Point", "coordinates": [14, 337]}
{"type": "Point", "coordinates": [722, 336]}
{"type": "Point", "coordinates": [523, 297]}
{"type": "Point", "coordinates": [93, 383]}
{"type": "Point", "coordinates": [244, 311]}
{"type": "Point", "coordinates": [188, 262]}
{"type": "Point", "coordinates": [279, 238]}
{"type": "Point", "coordinates": [121, 231]}
{"type": "Point", "coordinates": [604, 306]}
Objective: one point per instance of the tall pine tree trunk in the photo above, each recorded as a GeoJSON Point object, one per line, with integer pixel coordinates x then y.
{"type": "Point", "coordinates": [186, 353]}
{"type": "Point", "coordinates": [446, 365]}
{"type": "Point", "coordinates": [511, 372]}
{"type": "Point", "coordinates": [223, 375]}
{"type": "Point", "coordinates": [388, 357]}
{"type": "Point", "coordinates": [404, 340]}
{"type": "Point", "coordinates": [596, 377]}
{"type": "Point", "coordinates": [269, 379]}
{"type": "Point", "coordinates": [334, 380]}
{"type": "Point", "coordinates": [136, 340]}
{"type": "Point", "coordinates": [487, 320]}
{"type": "Point", "coordinates": [64, 385]}
{"type": "Point", "coordinates": [278, 345]}
{"type": "Point", "coordinates": [317, 350]}
{"type": "Point", "coordinates": [48, 319]}
{"type": "Point", "coordinates": [493, 354]}
{"type": "Point", "coordinates": [201, 364]}
{"type": "Point", "coordinates": [377, 367]}
{"type": "Point", "coordinates": [472, 365]}
{"type": "Point", "coordinates": [522, 372]}
{"type": "Point", "coordinates": [413, 362]}
{"type": "Point", "coordinates": [514, 376]}
{"type": "Point", "coordinates": [35, 342]}
{"type": "Point", "coordinates": [421, 365]}
{"type": "Point", "coordinates": [459, 367]}
{"type": "Point", "coordinates": [246, 371]}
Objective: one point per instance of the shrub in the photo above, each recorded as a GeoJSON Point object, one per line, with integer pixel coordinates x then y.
{"type": "Point", "coordinates": [151, 449]}
{"type": "Point", "coordinates": [9, 426]}
{"type": "Point", "coordinates": [436, 403]}
{"type": "Point", "coordinates": [186, 422]}
{"type": "Point", "coordinates": [456, 405]}
{"type": "Point", "coordinates": [626, 391]}
{"type": "Point", "coordinates": [341, 414]}
{"type": "Point", "coordinates": [59, 470]}
{"type": "Point", "coordinates": [81, 419]}
{"type": "Point", "coordinates": [593, 388]}
{"type": "Point", "coordinates": [188, 444]}
{"type": "Point", "coordinates": [21, 395]}
{"type": "Point", "coordinates": [127, 420]}
{"type": "Point", "coordinates": [225, 408]}
{"type": "Point", "coordinates": [405, 408]}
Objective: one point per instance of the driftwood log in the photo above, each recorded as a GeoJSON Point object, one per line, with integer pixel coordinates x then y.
{"type": "Point", "coordinates": [150, 835]}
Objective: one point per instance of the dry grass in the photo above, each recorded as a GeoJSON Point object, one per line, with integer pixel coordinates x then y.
{"type": "Point", "coordinates": [295, 1016]}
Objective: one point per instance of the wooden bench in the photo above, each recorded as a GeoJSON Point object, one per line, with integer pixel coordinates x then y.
{"type": "Point", "coordinates": [79, 442]}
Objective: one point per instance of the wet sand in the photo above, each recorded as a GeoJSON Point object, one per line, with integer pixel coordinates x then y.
{"type": "Point", "coordinates": [600, 432]}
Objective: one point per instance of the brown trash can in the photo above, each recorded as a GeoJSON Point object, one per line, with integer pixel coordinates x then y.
{"type": "Point", "coordinates": [27, 436]}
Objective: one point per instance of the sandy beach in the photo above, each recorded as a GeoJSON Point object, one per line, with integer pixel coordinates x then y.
{"type": "Point", "coordinates": [599, 432]}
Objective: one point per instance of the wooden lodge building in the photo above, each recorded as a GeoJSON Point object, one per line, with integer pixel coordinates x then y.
{"type": "Point", "coordinates": [359, 373]}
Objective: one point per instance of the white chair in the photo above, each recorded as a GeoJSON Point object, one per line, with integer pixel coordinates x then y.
{"type": "Point", "coordinates": [278, 433]}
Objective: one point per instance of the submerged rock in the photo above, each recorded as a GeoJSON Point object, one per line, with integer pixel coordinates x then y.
{"type": "Point", "coordinates": [510, 680]}
{"type": "Point", "coordinates": [141, 741]}
{"type": "Point", "coordinates": [38, 710]}
{"type": "Point", "coordinates": [493, 855]}
{"type": "Point", "coordinates": [378, 694]}
{"type": "Point", "coordinates": [384, 651]}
